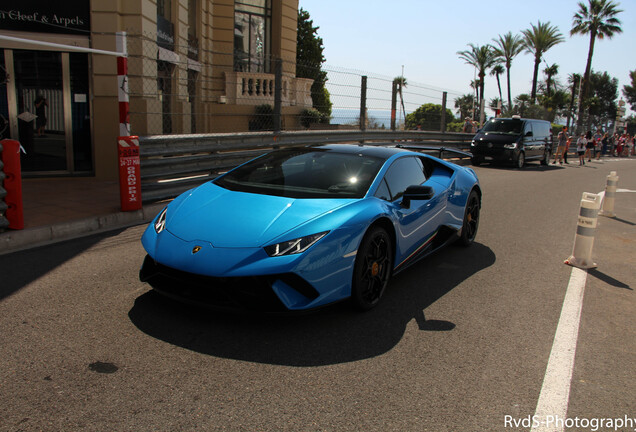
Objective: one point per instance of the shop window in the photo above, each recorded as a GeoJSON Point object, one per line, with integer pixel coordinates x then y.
{"type": "Point", "coordinates": [252, 29]}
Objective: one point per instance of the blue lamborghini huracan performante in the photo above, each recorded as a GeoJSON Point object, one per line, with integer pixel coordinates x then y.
{"type": "Point", "coordinates": [300, 228]}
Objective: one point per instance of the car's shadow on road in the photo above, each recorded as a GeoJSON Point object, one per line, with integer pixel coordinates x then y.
{"type": "Point", "coordinates": [329, 336]}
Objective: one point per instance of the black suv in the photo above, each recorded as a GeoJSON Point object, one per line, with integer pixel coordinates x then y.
{"type": "Point", "coordinates": [515, 140]}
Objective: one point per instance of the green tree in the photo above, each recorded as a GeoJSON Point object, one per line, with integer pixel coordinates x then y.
{"type": "Point", "coordinates": [507, 48]}
{"type": "Point", "coordinates": [537, 40]}
{"type": "Point", "coordinates": [309, 61]}
{"type": "Point", "coordinates": [601, 101]}
{"type": "Point", "coordinates": [629, 91]}
{"type": "Point", "coordinates": [428, 117]}
{"type": "Point", "coordinates": [482, 58]}
{"type": "Point", "coordinates": [598, 19]}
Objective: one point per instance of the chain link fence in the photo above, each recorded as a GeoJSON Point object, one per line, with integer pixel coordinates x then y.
{"type": "Point", "coordinates": [183, 90]}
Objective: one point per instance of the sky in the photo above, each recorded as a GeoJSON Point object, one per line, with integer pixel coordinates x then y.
{"type": "Point", "coordinates": [379, 37]}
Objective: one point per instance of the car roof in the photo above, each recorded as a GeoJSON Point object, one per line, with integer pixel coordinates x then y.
{"type": "Point", "coordinates": [365, 150]}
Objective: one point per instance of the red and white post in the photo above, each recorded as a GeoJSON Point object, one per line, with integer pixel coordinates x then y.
{"type": "Point", "coordinates": [122, 84]}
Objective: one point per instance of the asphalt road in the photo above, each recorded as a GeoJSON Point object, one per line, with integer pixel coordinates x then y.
{"type": "Point", "coordinates": [460, 343]}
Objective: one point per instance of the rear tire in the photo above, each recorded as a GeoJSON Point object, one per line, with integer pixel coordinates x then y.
{"type": "Point", "coordinates": [372, 270]}
{"type": "Point", "coordinates": [471, 219]}
{"type": "Point", "coordinates": [546, 158]}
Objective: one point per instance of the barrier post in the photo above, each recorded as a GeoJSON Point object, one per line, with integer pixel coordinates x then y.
{"type": "Point", "coordinates": [13, 183]}
{"type": "Point", "coordinates": [129, 173]}
{"type": "Point", "coordinates": [610, 194]}
{"type": "Point", "coordinates": [4, 222]}
{"type": "Point", "coordinates": [584, 239]}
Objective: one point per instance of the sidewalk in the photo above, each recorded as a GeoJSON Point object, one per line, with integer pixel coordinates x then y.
{"type": "Point", "coordinates": [58, 209]}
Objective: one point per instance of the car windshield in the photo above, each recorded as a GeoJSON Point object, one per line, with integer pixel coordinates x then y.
{"type": "Point", "coordinates": [305, 173]}
{"type": "Point", "coordinates": [503, 126]}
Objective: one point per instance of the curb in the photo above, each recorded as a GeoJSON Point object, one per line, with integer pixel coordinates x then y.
{"type": "Point", "coordinates": [19, 240]}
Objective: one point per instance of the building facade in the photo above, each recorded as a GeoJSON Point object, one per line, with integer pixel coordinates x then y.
{"type": "Point", "coordinates": [194, 66]}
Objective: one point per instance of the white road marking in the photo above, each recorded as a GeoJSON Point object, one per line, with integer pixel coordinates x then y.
{"type": "Point", "coordinates": [555, 392]}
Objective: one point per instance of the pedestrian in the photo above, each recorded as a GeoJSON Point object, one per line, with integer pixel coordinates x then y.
{"type": "Point", "coordinates": [589, 146]}
{"type": "Point", "coordinates": [40, 106]}
{"type": "Point", "coordinates": [581, 146]}
{"type": "Point", "coordinates": [619, 145]}
{"type": "Point", "coordinates": [468, 125]}
{"type": "Point", "coordinates": [562, 147]}
{"type": "Point", "coordinates": [599, 146]}
{"type": "Point", "coordinates": [629, 145]}
{"type": "Point", "coordinates": [605, 143]}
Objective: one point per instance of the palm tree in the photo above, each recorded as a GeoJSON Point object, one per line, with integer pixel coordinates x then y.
{"type": "Point", "coordinates": [464, 104]}
{"type": "Point", "coordinates": [508, 47]}
{"type": "Point", "coordinates": [401, 83]}
{"type": "Point", "coordinates": [537, 40]}
{"type": "Point", "coordinates": [574, 79]}
{"type": "Point", "coordinates": [482, 58]}
{"type": "Point", "coordinates": [598, 18]}
{"type": "Point", "coordinates": [497, 70]}
{"type": "Point", "coordinates": [522, 101]}
{"type": "Point", "coordinates": [550, 71]}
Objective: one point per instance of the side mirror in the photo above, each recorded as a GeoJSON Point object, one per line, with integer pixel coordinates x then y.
{"type": "Point", "coordinates": [417, 193]}
{"type": "Point", "coordinates": [529, 133]}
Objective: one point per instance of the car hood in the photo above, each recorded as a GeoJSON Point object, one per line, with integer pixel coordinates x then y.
{"type": "Point", "coordinates": [242, 220]}
{"type": "Point", "coordinates": [495, 138]}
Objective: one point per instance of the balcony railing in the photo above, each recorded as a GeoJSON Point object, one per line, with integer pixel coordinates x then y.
{"type": "Point", "coordinates": [246, 88]}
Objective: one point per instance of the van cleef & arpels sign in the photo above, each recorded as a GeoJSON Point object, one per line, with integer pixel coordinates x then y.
{"type": "Point", "coordinates": [68, 17]}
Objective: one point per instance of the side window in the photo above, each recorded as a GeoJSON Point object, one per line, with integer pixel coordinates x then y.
{"type": "Point", "coordinates": [527, 128]}
{"type": "Point", "coordinates": [383, 191]}
{"type": "Point", "coordinates": [404, 172]}
{"type": "Point", "coordinates": [541, 129]}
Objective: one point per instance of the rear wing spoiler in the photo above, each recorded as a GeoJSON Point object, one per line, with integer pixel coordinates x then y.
{"type": "Point", "coordinates": [441, 150]}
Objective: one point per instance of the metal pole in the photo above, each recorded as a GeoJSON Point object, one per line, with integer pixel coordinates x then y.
{"type": "Point", "coordinates": [393, 105]}
{"type": "Point", "coordinates": [278, 92]}
{"type": "Point", "coordinates": [443, 125]}
{"type": "Point", "coordinates": [363, 103]}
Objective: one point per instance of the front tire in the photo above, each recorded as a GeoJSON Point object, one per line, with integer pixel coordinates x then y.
{"type": "Point", "coordinates": [520, 161]}
{"type": "Point", "coordinates": [471, 219]}
{"type": "Point", "coordinates": [372, 270]}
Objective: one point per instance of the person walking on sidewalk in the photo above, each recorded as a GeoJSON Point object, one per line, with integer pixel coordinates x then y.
{"type": "Point", "coordinates": [589, 147]}
{"type": "Point", "coordinates": [562, 148]}
{"type": "Point", "coordinates": [581, 146]}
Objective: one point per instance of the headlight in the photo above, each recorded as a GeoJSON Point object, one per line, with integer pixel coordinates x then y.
{"type": "Point", "coordinates": [160, 223]}
{"type": "Point", "coordinates": [295, 246]}
{"type": "Point", "coordinates": [510, 146]}
{"type": "Point", "coordinates": [472, 143]}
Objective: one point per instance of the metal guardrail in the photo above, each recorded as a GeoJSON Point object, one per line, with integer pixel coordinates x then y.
{"type": "Point", "coordinates": [172, 164]}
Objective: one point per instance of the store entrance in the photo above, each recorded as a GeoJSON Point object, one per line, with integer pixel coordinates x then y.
{"type": "Point", "coordinates": [50, 110]}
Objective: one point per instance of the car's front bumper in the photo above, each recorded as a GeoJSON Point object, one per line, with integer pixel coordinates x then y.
{"type": "Point", "coordinates": [248, 277]}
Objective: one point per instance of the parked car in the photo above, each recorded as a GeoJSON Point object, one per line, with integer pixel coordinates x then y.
{"type": "Point", "coordinates": [300, 228]}
{"type": "Point", "coordinates": [516, 140]}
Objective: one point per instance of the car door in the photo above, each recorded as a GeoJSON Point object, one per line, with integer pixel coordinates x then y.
{"type": "Point", "coordinates": [417, 222]}
{"type": "Point", "coordinates": [529, 141]}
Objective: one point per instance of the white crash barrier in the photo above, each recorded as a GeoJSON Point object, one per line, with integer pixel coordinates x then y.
{"type": "Point", "coordinates": [610, 194]}
{"type": "Point", "coordinates": [584, 239]}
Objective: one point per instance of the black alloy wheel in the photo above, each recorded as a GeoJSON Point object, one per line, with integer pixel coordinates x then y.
{"type": "Point", "coordinates": [372, 269]}
{"type": "Point", "coordinates": [546, 158]}
{"type": "Point", "coordinates": [471, 219]}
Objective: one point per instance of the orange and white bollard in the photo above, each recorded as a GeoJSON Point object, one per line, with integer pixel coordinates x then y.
{"type": "Point", "coordinates": [610, 194]}
{"type": "Point", "coordinates": [584, 239]}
